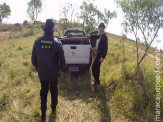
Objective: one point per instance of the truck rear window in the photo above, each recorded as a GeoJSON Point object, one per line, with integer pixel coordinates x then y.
{"type": "Point", "coordinates": [75, 34]}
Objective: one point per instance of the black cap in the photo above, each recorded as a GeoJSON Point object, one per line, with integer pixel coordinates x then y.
{"type": "Point", "coordinates": [49, 25]}
{"type": "Point", "coordinates": [102, 25]}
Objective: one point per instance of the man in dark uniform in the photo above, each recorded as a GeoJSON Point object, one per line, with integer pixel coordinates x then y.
{"type": "Point", "coordinates": [101, 52]}
{"type": "Point", "coordinates": [48, 57]}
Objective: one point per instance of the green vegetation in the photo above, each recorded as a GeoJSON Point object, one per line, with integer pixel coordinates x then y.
{"type": "Point", "coordinates": [91, 16]}
{"type": "Point", "coordinates": [87, 18]}
{"type": "Point", "coordinates": [34, 9]}
{"type": "Point", "coordinates": [119, 98]}
{"type": "Point", "coordinates": [18, 31]}
{"type": "Point", "coordinates": [4, 11]}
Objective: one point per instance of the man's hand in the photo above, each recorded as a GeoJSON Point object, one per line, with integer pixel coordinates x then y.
{"type": "Point", "coordinates": [101, 59]}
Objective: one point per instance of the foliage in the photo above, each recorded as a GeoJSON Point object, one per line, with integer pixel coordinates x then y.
{"type": "Point", "coordinates": [34, 9]}
{"type": "Point", "coordinates": [67, 10]}
{"type": "Point", "coordinates": [4, 11]}
{"type": "Point", "coordinates": [87, 18]}
{"type": "Point", "coordinates": [25, 23]}
{"type": "Point", "coordinates": [91, 16]}
{"type": "Point", "coordinates": [63, 24]}
{"type": "Point", "coordinates": [31, 29]}
{"type": "Point", "coordinates": [143, 18]}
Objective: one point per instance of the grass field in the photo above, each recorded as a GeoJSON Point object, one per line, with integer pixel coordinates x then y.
{"type": "Point", "coordinates": [118, 99]}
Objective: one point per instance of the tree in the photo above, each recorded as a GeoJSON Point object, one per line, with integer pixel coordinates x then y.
{"type": "Point", "coordinates": [91, 16]}
{"type": "Point", "coordinates": [4, 11]}
{"type": "Point", "coordinates": [66, 11]}
{"type": "Point", "coordinates": [63, 24]}
{"type": "Point", "coordinates": [124, 37]}
{"type": "Point", "coordinates": [109, 15]}
{"type": "Point", "coordinates": [143, 18]}
{"type": "Point", "coordinates": [34, 9]}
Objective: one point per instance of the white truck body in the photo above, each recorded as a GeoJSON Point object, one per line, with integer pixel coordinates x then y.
{"type": "Point", "coordinates": [77, 50]}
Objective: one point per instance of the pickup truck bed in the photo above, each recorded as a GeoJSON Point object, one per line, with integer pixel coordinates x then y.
{"type": "Point", "coordinates": [74, 40]}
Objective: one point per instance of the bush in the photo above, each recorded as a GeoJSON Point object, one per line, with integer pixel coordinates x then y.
{"type": "Point", "coordinates": [25, 23]}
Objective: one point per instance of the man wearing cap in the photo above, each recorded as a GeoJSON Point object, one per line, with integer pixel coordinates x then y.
{"type": "Point", "coordinates": [48, 57]}
{"type": "Point", "coordinates": [101, 52]}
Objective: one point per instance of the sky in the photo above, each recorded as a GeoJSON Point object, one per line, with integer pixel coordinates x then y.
{"type": "Point", "coordinates": [52, 9]}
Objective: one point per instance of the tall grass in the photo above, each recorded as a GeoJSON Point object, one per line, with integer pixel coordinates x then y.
{"type": "Point", "coordinates": [119, 98]}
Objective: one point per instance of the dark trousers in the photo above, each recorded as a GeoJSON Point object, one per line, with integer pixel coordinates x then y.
{"type": "Point", "coordinates": [45, 85]}
{"type": "Point", "coordinates": [96, 68]}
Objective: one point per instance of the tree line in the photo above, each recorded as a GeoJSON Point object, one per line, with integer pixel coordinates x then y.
{"type": "Point", "coordinates": [87, 17]}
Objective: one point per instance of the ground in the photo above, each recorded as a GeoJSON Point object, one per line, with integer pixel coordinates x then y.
{"type": "Point", "coordinates": [119, 98]}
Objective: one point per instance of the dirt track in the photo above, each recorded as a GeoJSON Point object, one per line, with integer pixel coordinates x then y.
{"type": "Point", "coordinates": [4, 33]}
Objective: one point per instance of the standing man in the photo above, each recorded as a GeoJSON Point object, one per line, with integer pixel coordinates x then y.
{"type": "Point", "coordinates": [101, 52]}
{"type": "Point", "coordinates": [47, 57]}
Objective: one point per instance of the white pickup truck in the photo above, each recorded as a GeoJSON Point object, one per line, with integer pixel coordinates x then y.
{"type": "Point", "coordinates": [77, 50]}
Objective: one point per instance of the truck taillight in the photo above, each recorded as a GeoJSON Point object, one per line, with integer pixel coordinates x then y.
{"type": "Point", "coordinates": [91, 53]}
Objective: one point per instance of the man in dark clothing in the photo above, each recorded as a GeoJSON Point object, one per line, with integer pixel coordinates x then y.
{"type": "Point", "coordinates": [101, 52]}
{"type": "Point", "coordinates": [48, 57]}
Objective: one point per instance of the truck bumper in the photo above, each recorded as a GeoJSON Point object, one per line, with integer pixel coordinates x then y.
{"type": "Point", "coordinates": [77, 67]}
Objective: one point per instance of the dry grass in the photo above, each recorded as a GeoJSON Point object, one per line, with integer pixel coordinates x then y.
{"type": "Point", "coordinates": [118, 99]}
